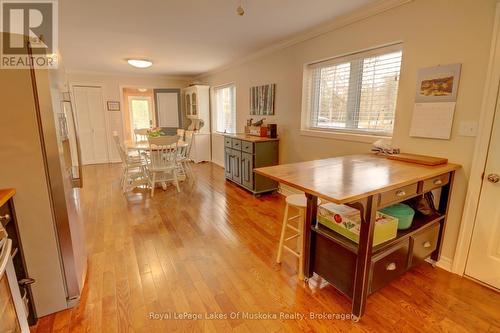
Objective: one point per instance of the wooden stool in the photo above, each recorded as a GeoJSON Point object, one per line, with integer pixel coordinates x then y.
{"type": "Point", "coordinates": [299, 202]}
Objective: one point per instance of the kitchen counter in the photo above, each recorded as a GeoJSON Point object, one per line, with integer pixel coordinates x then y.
{"type": "Point", "coordinates": [366, 182]}
{"type": "Point", "coordinates": [6, 194]}
{"type": "Point", "coordinates": [251, 138]}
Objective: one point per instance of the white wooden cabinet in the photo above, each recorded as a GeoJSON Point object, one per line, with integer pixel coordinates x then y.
{"type": "Point", "coordinates": [200, 148]}
{"type": "Point", "coordinates": [196, 101]}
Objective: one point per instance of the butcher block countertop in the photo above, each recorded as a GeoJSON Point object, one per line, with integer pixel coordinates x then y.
{"type": "Point", "coordinates": [349, 178]}
{"type": "Point", "coordinates": [6, 194]}
{"type": "Point", "coordinates": [251, 138]}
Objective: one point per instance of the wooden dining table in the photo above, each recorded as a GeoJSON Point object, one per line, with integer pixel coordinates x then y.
{"type": "Point", "coordinates": [143, 146]}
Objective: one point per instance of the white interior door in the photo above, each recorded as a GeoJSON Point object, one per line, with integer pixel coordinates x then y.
{"type": "Point", "coordinates": [168, 112]}
{"type": "Point", "coordinates": [483, 262]}
{"type": "Point", "coordinates": [91, 124]}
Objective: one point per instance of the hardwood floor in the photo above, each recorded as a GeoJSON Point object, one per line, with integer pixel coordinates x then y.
{"type": "Point", "coordinates": [211, 249]}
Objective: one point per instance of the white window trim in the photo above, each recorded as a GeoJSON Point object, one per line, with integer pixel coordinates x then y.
{"type": "Point", "coordinates": [214, 107]}
{"type": "Point", "coordinates": [343, 136]}
{"type": "Point", "coordinates": [346, 135]}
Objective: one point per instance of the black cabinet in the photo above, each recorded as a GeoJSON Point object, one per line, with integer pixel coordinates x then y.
{"type": "Point", "coordinates": [242, 154]}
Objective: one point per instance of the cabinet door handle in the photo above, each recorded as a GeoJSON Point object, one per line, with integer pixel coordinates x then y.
{"type": "Point", "coordinates": [426, 244]}
{"type": "Point", "coordinates": [26, 281]}
{"type": "Point", "coordinates": [391, 266]}
{"type": "Point", "coordinates": [248, 173]}
{"type": "Point", "coordinates": [438, 182]}
{"type": "Point", "coordinates": [5, 218]}
{"type": "Point", "coordinates": [400, 193]}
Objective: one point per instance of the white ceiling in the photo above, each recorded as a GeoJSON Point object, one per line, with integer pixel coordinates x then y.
{"type": "Point", "coordinates": [182, 37]}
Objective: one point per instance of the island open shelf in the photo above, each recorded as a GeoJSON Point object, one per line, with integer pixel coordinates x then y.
{"type": "Point", "coordinates": [420, 222]}
{"type": "Point", "coordinates": [367, 183]}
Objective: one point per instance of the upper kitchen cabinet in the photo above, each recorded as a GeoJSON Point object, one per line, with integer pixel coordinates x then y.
{"type": "Point", "coordinates": [197, 106]}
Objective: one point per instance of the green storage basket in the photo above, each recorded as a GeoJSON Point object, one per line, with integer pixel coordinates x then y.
{"type": "Point", "coordinates": [402, 212]}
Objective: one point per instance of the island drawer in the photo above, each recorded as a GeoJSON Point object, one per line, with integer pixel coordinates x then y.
{"type": "Point", "coordinates": [247, 147]}
{"type": "Point", "coordinates": [398, 194]}
{"type": "Point", "coordinates": [227, 142]}
{"type": "Point", "coordinates": [236, 144]}
{"type": "Point", "coordinates": [435, 182]}
{"type": "Point", "coordinates": [5, 214]}
{"type": "Point", "coordinates": [388, 266]}
{"type": "Point", "coordinates": [335, 263]}
{"type": "Point", "coordinates": [424, 243]}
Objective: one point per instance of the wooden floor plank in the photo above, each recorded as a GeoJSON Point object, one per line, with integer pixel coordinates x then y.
{"type": "Point", "coordinates": [211, 250]}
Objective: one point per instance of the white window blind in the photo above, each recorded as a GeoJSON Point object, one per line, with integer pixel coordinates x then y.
{"type": "Point", "coordinates": [225, 106]}
{"type": "Point", "coordinates": [356, 93]}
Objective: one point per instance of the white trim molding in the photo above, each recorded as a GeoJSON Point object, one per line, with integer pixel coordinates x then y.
{"type": "Point", "coordinates": [131, 73]}
{"type": "Point", "coordinates": [363, 13]}
{"type": "Point", "coordinates": [343, 136]}
{"type": "Point", "coordinates": [480, 152]}
{"type": "Point", "coordinates": [445, 263]}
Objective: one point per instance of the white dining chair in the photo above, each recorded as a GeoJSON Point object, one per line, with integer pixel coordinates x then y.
{"type": "Point", "coordinates": [180, 133]}
{"type": "Point", "coordinates": [141, 134]}
{"type": "Point", "coordinates": [162, 161]}
{"type": "Point", "coordinates": [134, 172]}
{"type": "Point", "coordinates": [183, 159]}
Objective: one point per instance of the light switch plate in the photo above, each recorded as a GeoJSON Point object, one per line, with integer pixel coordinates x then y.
{"type": "Point", "coordinates": [468, 128]}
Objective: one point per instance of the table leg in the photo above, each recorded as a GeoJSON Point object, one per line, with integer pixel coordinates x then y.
{"type": "Point", "coordinates": [364, 259]}
{"type": "Point", "coordinates": [444, 205]}
{"type": "Point", "coordinates": [309, 237]}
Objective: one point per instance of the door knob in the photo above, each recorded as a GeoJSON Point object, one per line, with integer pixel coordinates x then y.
{"type": "Point", "coordinates": [493, 178]}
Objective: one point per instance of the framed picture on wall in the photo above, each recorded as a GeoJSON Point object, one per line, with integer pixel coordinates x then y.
{"type": "Point", "coordinates": [262, 100]}
{"type": "Point", "coordinates": [438, 84]}
{"type": "Point", "coordinates": [113, 106]}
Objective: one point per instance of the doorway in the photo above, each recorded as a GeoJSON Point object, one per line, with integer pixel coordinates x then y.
{"type": "Point", "coordinates": [138, 111]}
{"type": "Point", "coordinates": [91, 124]}
{"type": "Point", "coordinates": [483, 262]}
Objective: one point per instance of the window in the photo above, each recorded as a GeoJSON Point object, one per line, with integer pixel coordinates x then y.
{"type": "Point", "coordinates": [355, 94]}
{"type": "Point", "coordinates": [225, 106]}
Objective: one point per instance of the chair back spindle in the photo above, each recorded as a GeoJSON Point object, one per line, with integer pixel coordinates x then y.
{"type": "Point", "coordinates": [163, 152]}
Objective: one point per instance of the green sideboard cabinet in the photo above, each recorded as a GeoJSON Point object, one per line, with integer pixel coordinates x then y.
{"type": "Point", "coordinates": [243, 153]}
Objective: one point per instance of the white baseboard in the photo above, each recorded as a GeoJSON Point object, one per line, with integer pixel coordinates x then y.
{"type": "Point", "coordinates": [218, 163]}
{"type": "Point", "coordinates": [444, 263]}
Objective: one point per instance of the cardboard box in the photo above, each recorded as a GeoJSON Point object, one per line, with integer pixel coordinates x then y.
{"type": "Point", "coordinates": [346, 221]}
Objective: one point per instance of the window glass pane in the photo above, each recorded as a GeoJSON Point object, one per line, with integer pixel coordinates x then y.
{"type": "Point", "coordinates": [379, 92]}
{"type": "Point", "coordinates": [356, 95]}
{"type": "Point", "coordinates": [140, 113]}
{"type": "Point", "coordinates": [333, 95]}
{"type": "Point", "coordinates": [226, 109]}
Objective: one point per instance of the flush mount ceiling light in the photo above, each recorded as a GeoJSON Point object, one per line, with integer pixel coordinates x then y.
{"type": "Point", "coordinates": [140, 63]}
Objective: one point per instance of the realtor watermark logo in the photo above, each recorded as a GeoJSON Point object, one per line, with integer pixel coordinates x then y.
{"type": "Point", "coordinates": [32, 22]}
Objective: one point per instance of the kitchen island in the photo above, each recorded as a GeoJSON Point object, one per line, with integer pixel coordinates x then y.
{"type": "Point", "coordinates": [368, 183]}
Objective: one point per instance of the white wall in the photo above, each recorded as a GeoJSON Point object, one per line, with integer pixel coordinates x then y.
{"type": "Point", "coordinates": [433, 32]}
{"type": "Point", "coordinates": [111, 85]}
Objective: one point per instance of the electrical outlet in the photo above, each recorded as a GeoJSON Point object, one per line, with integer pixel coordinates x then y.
{"type": "Point", "coordinates": [468, 128]}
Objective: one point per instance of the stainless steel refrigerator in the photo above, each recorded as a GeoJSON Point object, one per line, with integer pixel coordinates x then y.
{"type": "Point", "coordinates": [39, 157]}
